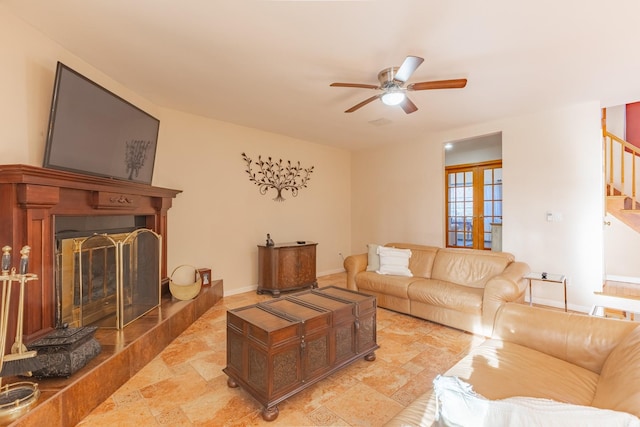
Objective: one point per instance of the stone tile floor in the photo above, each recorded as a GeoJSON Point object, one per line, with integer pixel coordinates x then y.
{"type": "Point", "coordinates": [185, 386]}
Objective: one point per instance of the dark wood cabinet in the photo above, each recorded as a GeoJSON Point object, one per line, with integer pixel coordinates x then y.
{"type": "Point", "coordinates": [286, 266]}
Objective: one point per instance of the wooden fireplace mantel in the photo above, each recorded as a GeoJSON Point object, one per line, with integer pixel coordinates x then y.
{"type": "Point", "coordinates": [30, 199]}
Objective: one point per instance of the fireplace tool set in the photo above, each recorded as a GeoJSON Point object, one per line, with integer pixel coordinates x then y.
{"type": "Point", "coordinates": [17, 398]}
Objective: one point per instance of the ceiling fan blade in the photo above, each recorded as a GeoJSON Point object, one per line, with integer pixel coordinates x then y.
{"type": "Point", "coordinates": [407, 68]}
{"type": "Point", "coordinates": [362, 104]}
{"type": "Point", "coordinates": [360, 85]}
{"type": "Point", "coordinates": [438, 84]}
{"type": "Point", "coordinates": [408, 106]}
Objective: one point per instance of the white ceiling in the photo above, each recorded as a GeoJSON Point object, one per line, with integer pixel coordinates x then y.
{"type": "Point", "coordinates": [268, 64]}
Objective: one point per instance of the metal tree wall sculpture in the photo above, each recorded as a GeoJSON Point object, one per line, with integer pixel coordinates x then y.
{"type": "Point", "coordinates": [278, 175]}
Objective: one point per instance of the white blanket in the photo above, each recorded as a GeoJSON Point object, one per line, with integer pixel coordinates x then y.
{"type": "Point", "coordinates": [460, 406]}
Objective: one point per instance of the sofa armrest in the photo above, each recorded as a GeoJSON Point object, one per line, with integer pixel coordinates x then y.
{"type": "Point", "coordinates": [509, 286]}
{"type": "Point", "coordinates": [580, 339]}
{"type": "Point", "coordinates": [354, 264]}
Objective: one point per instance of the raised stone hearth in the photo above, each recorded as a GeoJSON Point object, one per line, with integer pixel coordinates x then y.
{"type": "Point", "coordinates": [66, 401]}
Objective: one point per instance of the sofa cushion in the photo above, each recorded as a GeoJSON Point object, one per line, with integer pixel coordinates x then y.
{"type": "Point", "coordinates": [396, 286]}
{"type": "Point", "coordinates": [373, 259]}
{"type": "Point", "coordinates": [619, 383]}
{"type": "Point", "coordinates": [469, 267]}
{"type": "Point", "coordinates": [445, 294]}
{"type": "Point", "coordinates": [421, 261]}
{"type": "Point", "coordinates": [586, 341]}
{"type": "Point", "coordinates": [394, 261]}
{"type": "Point", "coordinates": [500, 369]}
{"type": "Point", "coordinates": [459, 405]}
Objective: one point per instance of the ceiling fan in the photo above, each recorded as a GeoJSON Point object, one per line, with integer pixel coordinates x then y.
{"type": "Point", "coordinates": [392, 84]}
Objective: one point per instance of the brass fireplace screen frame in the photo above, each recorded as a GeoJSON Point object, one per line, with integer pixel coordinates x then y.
{"type": "Point", "coordinates": [103, 276]}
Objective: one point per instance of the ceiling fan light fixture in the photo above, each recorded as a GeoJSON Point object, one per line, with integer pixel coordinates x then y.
{"type": "Point", "coordinates": [393, 98]}
{"type": "Point", "coordinates": [393, 84]}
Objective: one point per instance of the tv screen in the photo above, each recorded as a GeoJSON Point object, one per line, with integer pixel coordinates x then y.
{"type": "Point", "coordinates": [95, 132]}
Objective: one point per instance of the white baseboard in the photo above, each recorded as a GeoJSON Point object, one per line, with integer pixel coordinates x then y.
{"type": "Point", "coordinates": [240, 291]}
{"type": "Point", "coordinates": [626, 279]}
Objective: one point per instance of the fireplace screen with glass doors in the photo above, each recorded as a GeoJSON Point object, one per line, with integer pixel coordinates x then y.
{"type": "Point", "coordinates": [107, 279]}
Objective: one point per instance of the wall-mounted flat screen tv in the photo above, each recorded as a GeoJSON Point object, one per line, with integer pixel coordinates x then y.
{"type": "Point", "coordinates": [95, 132]}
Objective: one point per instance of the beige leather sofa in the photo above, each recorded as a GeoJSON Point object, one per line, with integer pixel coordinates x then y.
{"type": "Point", "coordinates": [461, 288]}
{"type": "Point", "coordinates": [541, 353]}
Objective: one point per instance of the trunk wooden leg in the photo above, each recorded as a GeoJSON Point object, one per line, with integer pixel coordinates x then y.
{"type": "Point", "coordinates": [270, 414]}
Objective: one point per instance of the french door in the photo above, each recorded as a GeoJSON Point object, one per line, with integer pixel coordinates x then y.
{"type": "Point", "coordinates": [473, 203]}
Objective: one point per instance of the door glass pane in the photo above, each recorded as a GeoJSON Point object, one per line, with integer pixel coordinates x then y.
{"type": "Point", "coordinates": [497, 191]}
{"type": "Point", "coordinates": [488, 176]}
{"type": "Point", "coordinates": [468, 193]}
{"type": "Point", "coordinates": [497, 209]}
{"type": "Point", "coordinates": [497, 175]}
{"type": "Point", "coordinates": [488, 192]}
{"type": "Point", "coordinates": [488, 211]}
{"type": "Point", "coordinates": [468, 177]}
{"type": "Point", "coordinates": [468, 209]}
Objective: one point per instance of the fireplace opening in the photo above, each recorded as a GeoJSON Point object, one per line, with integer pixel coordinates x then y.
{"type": "Point", "coordinates": [107, 271]}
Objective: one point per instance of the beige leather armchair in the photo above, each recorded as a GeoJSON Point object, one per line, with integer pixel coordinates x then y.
{"type": "Point", "coordinates": [547, 354]}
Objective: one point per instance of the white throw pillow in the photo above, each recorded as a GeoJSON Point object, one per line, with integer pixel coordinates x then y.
{"type": "Point", "coordinates": [394, 261]}
{"type": "Point", "coordinates": [373, 259]}
{"type": "Point", "coordinates": [458, 405]}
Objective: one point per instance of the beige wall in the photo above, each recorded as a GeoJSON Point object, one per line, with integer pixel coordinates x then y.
{"type": "Point", "coordinates": [220, 217]}
{"type": "Point", "coordinates": [541, 171]}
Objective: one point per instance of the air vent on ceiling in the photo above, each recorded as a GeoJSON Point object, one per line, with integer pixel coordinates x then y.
{"type": "Point", "coordinates": [380, 122]}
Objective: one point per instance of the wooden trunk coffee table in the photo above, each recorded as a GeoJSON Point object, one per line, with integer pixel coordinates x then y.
{"type": "Point", "coordinates": [279, 347]}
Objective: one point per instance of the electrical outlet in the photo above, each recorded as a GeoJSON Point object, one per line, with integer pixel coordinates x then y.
{"type": "Point", "coordinates": [554, 216]}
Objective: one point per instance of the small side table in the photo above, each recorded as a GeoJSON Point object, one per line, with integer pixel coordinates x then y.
{"type": "Point", "coordinates": [554, 278]}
